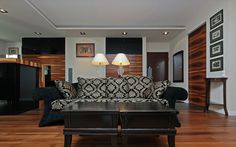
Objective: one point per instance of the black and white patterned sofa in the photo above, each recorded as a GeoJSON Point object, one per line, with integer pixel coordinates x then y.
{"type": "Point", "coordinates": [124, 89]}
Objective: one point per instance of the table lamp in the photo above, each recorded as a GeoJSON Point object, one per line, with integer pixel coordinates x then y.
{"type": "Point", "coordinates": [100, 60]}
{"type": "Point", "coordinates": [120, 60]}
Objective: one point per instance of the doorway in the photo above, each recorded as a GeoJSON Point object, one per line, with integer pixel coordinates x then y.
{"type": "Point", "coordinates": [157, 65]}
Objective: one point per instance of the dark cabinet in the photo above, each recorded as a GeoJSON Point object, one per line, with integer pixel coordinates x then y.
{"type": "Point", "coordinates": [17, 82]}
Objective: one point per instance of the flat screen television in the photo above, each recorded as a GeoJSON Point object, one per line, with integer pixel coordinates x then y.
{"type": "Point", "coordinates": [43, 46]}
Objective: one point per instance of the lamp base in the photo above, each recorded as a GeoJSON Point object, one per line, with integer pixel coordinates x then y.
{"type": "Point", "coordinates": [120, 71]}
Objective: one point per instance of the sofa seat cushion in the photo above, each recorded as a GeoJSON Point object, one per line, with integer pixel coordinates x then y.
{"type": "Point", "coordinates": [59, 104]}
{"type": "Point", "coordinates": [138, 86]}
{"type": "Point", "coordinates": [62, 103]}
{"type": "Point", "coordinates": [66, 89]}
{"type": "Point", "coordinates": [91, 88]}
{"type": "Point", "coordinates": [94, 100]}
{"type": "Point", "coordinates": [117, 87]}
{"type": "Point", "coordinates": [140, 100]}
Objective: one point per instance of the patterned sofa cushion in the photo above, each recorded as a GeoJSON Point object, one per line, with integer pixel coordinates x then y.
{"type": "Point", "coordinates": [138, 86]}
{"type": "Point", "coordinates": [140, 100]}
{"type": "Point", "coordinates": [66, 89]}
{"type": "Point", "coordinates": [157, 89]}
{"type": "Point", "coordinates": [117, 88]}
{"type": "Point", "coordinates": [59, 104]}
{"type": "Point", "coordinates": [94, 100]}
{"type": "Point", "coordinates": [91, 88]}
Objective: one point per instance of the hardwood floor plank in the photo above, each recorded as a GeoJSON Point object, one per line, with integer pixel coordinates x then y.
{"type": "Point", "coordinates": [198, 129]}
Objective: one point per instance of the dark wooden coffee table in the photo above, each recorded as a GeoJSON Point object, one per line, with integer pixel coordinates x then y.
{"type": "Point", "coordinates": [91, 118]}
{"type": "Point", "coordinates": [103, 118]}
{"type": "Point", "coordinates": [147, 119]}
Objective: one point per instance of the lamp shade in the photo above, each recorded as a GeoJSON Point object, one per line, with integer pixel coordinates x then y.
{"type": "Point", "coordinates": [100, 59]}
{"type": "Point", "coordinates": [120, 60]}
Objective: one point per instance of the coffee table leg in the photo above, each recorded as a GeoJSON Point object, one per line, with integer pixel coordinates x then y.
{"type": "Point", "coordinates": [171, 140]}
{"type": "Point", "coordinates": [67, 141]}
{"type": "Point", "coordinates": [124, 141]}
{"type": "Point", "coordinates": [113, 141]}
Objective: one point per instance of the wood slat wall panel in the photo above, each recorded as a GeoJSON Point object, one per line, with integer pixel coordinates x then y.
{"type": "Point", "coordinates": [57, 63]}
{"type": "Point", "coordinates": [135, 67]}
{"type": "Point", "coordinates": [197, 66]}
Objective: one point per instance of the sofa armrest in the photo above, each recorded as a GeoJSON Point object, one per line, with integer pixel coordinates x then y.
{"type": "Point", "coordinates": [175, 93]}
{"type": "Point", "coordinates": [47, 94]}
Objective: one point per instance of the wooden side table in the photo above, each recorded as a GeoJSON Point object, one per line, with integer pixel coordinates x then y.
{"type": "Point", "coordinates": [208, 92]}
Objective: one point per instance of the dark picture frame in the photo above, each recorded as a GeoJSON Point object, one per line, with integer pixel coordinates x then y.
{"type": "Point", "coordinates": [13, 50]}
{"type": "Point", "coordinates": [216, 49]}
{"type": "Point", "coordinates": [217, 19]}
{"type": "Point", "coordinates": [178, 67]}
{"type": "Point", "coordinates": [85, 49]}
{"type": "Point", "coordinates": [217, 64]}
{"type": "Point", "coordinates": [216, 34]}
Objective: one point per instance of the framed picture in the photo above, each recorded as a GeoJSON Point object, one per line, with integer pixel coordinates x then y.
{"type": "Point", "coordinates": [216, 34]}
{"type": "Point", "coordinates": [216, 19]}
{"type": "Point", "coordinates": [216, 64]}
{"type": "Point", "coordinates": [13, 50]}
{"type": "Point", "coordinates": [178, 67]}
{"type": "Point", "coordinates": [216, 49]}
{"type": "Point", "coordinates": [85, 50]}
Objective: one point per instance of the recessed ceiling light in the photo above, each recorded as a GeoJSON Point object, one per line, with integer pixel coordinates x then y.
{"type": "Point", "coordinates": [124, 33]}
{"type": "Point", "coordinates": [82, 33]}
{"type": "Point", "coordinates": [3, 10]}
{"type": "Point", "coordinates": [165, 33]}
{"type": "Point", "coordinates": [38, 33]}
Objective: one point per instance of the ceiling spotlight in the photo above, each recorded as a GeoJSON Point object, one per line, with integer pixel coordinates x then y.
{"type": "Point", "coordinates": [165, 33]}
{"type": "Point", "coordinates": [82, 33]}
{"type": "Point", "coordinates": [38, 33]}
{"type": "Point", "coordinates": [124, 33]}
{"type": "Point", "coordinates": [3, 10]}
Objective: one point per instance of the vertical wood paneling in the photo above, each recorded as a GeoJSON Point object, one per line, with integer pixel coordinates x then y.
{"type": "Point", "coordinates": [57, 63]}
{"type": "Point", "coordinates": [197, 66]}
{"type": "Point", "coordinates": [135, 67]}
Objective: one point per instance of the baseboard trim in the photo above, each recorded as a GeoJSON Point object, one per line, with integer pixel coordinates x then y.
{"type": "Point", "coordinates": [232, 113]}
{"type": "Point", "coordinates": [221, 111]}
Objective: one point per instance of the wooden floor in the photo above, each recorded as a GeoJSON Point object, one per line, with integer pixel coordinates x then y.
{"type": "Point", "coordinates": [198, 130]}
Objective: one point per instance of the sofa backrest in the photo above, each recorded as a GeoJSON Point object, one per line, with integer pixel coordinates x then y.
{"type": "Point", "coordinates": [124, 87]}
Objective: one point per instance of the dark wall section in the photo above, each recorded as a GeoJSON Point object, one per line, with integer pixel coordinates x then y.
{"type": "Point", "coordinates": [43, 46]}
{"type": "Point", "coordinates": [132, 47]}
{"type": "Point", "coordinates": [124, 45]}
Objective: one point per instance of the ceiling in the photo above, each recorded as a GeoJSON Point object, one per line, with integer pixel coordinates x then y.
{"type": "Point", "coordinates": [98, 18]}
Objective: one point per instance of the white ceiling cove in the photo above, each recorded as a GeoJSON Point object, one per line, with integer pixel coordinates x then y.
{"type": "Point", "coordinates": [107, 18]}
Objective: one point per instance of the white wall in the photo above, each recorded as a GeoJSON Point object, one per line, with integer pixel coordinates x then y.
{"type": "Point", "coordinates": [14, 44]}
{"type": "Point", "coordinates": [158, 47]}
{"type": "Point", "coordinates": [230, 57]}
{"type": "Point", "coordinates": [144, 52]}
{"type": "Point", "coordinates": [2, 47]}
{"type": "Point", "coordinates": [82, 66]}
{"type": "Point", "coordinates": [181, 42]}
